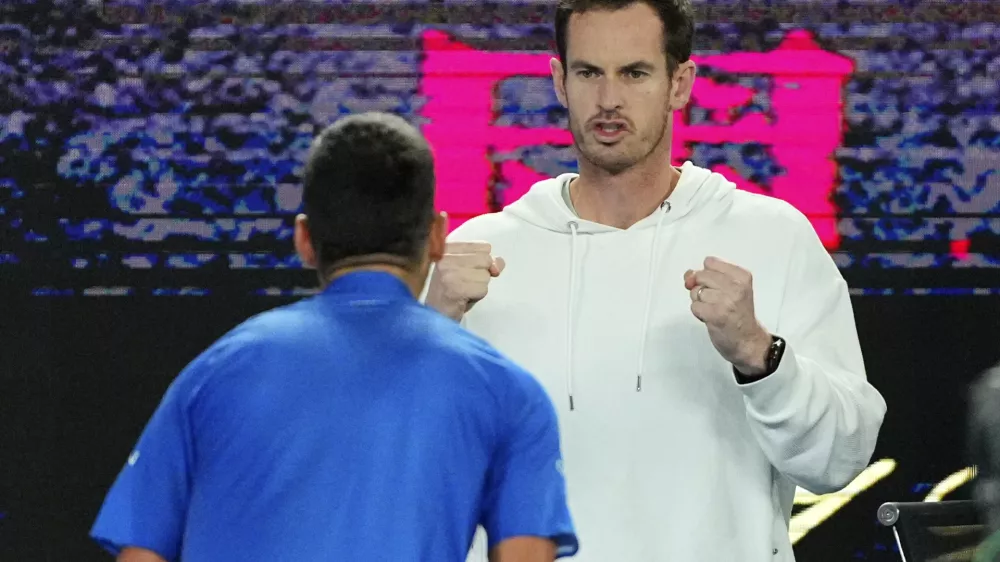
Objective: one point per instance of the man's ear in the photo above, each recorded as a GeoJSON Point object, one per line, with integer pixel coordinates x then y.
{"type": "Point", "coordinates": [682, 84]}
{"type": "Point", "coordinates": [558, 80]}
{"type": "Point", "coordinates": [437, 237]}
{"type": "Point", "coordinates": [303, 242]}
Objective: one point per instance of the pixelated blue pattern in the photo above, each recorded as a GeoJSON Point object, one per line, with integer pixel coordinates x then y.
{"type": "Point", "coordinates": [141, 136]}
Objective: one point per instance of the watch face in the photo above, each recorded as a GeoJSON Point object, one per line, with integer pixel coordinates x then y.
{"type": "Point", "coordinates": [777, 350]}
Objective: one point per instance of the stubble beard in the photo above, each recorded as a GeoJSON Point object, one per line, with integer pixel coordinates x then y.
{"type": "Point", "coordinates": [618, 158]}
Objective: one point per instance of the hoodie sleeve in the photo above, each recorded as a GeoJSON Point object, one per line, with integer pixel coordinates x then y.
{"type": "Point", "coordinates": [817, 417]}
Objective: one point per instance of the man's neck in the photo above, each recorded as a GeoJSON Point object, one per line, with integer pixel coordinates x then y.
{"type": "Point", "coordinates": [623, 199]}
{"type": "Point", "coordinates": [413, 280]}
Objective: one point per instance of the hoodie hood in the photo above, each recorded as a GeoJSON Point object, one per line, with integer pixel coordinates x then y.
{"type": "Point", "coordinates": [544, 206]}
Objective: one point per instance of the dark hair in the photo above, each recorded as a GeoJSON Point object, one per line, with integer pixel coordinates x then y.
{"type": "Point", "coordinates": [677, 17]}
{"type": "Point", "coordinates": [369, 189]}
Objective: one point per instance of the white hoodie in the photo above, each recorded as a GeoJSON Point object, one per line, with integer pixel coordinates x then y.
{"type": "Point", "coordinates": [693, 466]}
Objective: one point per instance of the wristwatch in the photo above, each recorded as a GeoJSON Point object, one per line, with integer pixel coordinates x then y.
{"type": "Point", "coordinates": [771, 362]}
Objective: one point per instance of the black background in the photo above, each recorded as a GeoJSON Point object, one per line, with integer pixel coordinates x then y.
{"type": "Point", "coordinates": [80, 376]}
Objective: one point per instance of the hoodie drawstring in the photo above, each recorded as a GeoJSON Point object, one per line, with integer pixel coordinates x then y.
{"type": "Point", "coordinates": [571, 298]}
{"type": "Point", "coordinates": [653, 262]}
{"type": "Point", "coordinates": [573, 226]}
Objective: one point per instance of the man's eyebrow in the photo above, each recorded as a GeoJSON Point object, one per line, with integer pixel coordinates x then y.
{"type": "Point", "coordinates": [583, 65]}
{"type": "Point", "coordinates": [639, 65]}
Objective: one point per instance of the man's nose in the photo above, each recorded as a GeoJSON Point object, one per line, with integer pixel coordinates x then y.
{"type": "Point", "coordinates": [609, 94]}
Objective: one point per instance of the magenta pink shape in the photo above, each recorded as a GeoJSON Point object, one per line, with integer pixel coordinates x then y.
{"type": "Point", "coordinates": [802, 131]}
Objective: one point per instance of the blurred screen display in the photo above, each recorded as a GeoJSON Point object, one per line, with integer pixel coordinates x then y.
{"type": "Point", "coordinates": [155, 148]}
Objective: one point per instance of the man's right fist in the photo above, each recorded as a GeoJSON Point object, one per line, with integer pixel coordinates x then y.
{"type": "Point", "coordinates": [462, 277]}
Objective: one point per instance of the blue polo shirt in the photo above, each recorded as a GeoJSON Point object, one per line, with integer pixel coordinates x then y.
{"type": "Point", "coordinates": [353, 425]}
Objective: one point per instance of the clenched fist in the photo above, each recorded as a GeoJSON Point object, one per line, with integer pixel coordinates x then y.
{"type": "Point", "coordinates": [722, 298]}
{"type": "Point", "coordinates": [462, 277]}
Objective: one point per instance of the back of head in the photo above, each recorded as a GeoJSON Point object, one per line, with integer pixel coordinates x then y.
{"type": "Point", "coordinates": [984, 445]}
{"type": "Point", "coordinates": [369, 192]}
{"type": "Point", "coordinates": [677, 17]}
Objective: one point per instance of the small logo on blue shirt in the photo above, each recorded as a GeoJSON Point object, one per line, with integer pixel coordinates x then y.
{"type": "Point", "coordinates": [133, 458]}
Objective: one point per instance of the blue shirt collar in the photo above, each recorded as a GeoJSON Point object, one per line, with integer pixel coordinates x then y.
{"type": "Point", "coordinates": [368, 285]}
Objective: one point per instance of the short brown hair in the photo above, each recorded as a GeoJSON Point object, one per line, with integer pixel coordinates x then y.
{"type": "Point", "coordinates": [677, 17]}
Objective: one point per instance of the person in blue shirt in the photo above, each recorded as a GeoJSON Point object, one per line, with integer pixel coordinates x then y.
{"type": "Point", "coordinates": [356, 425]}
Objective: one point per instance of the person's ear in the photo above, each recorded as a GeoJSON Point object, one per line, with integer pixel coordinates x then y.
{"type": "Point", "coordinates": [438, 237]}
{"type": "Point", "coordinates": [304, 244]}
{"type": "Point", "coordinates": [681, 85]}
{"type": "Point", "coordinates": [558, 80]}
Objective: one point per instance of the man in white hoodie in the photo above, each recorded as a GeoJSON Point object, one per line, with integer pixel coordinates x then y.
{"type": "Point", "coordinates": [698, 341]}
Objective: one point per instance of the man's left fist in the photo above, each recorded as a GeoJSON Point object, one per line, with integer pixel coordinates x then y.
{"type": "Point", "coordinates": [722, 298]}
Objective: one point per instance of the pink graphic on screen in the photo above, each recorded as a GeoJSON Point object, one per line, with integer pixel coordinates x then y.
{"type": "Point", "coordinates": [801, 131]}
